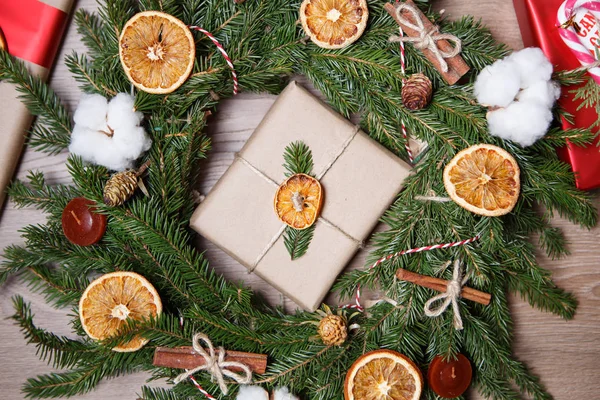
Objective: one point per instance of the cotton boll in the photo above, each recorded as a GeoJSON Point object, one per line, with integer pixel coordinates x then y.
{"type": "Point", "coordinates": [91, 112]}
{"type": "Point", "coordinates": [498, 84]}
{"type": "Point", "coordinates": [533, 66]}
{"type": "Point", "coordinates": [121, 112]}
{"type": "Point", "coordinates": [520, 122]}
{"type": "Point", "coordinates": [247, 392]}
{"type": "Point", "coordinates": [283, 393]}
{"type": "Point", "coordinates": [545, 93]}
{"type": "Point", "coordinates": [131, 142]}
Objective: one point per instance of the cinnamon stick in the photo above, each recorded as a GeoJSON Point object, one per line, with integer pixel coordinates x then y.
{"type": "Point", "coordinates": [440, 285]}
{"type": "Point", "coordinates": [457, 67]}
{"type": "Point", "coordinates": [187, 358]}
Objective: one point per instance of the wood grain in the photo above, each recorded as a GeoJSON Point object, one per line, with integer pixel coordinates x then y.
{"type": "Point", "coordinates": [564, 354]}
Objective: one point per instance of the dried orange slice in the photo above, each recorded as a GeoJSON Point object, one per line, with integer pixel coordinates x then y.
{"type": "Point", "coordinates": [157, 51]}
{"type": "Point", "coordinates": [484, 179]}
{"type": "Point", "coordinates": [112, 299]}
{"type": "Point", "coordinates": [298, 201]}
{"type": "Point", "coordinates": [333, 24]}
{"type": "Point", "coordinates": [383, 375]}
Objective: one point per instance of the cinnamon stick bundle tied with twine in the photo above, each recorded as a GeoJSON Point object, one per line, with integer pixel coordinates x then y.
{"type": "Point", "coordinates": [442, 49]}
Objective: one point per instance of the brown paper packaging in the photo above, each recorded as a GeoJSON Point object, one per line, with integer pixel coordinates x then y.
{"type": "Point", "coordinates": [360, 180]}
{"type": "Point", "coordinates": [15, 120]}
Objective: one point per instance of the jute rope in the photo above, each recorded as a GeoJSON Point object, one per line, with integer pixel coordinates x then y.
{"type": "Point", "coordinates": [451, 296]}
{"type": "Point", "coordinates": [427, 38]}
{"type": "Point", "coordinates": [215, 365]}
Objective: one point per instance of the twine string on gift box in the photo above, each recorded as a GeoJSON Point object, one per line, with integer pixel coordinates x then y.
{"type": "Point", "coordinates": [427, 38]}
{"type": "Point", "coordinates": [215, 365]}
{"type": "Point", "coordinates": [449, 297]}
{"type": "Point", "coordinates": [319, 176]}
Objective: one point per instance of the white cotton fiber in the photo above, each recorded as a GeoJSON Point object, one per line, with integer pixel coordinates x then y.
{"type": "Point", "coordinates": [247, 392]}
{"type": "Point", "coordinates": [497, 84]}
{"type": "Point", "coordinates": [533, 66]}
{"type": "Point", "coordinates": [91, 112]}
{"type": "Point", "coordinates": [283, 393]}
{"type": "Point", "coordinates": [131, 142]}
{"type": "Point", "coordinates": [520, 122]}
{"type": "Point", "coordinates": [121, 112]}
{"type": "Point", "coordinates": [543, 92]}
{"type": "Point", "coordinates": [96, 120]}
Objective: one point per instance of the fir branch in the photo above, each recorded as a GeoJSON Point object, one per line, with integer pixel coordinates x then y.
{"type": "Point", "coordinates": [59, 351]}
{"type": "Point", "coordinates": [298, 159]}
{"type": "Point", "coordinates": [297, 241]}
{"type": "Point", "coordinates": [589, 94]}
{"type": "Point", "coordinates": [52, 133]}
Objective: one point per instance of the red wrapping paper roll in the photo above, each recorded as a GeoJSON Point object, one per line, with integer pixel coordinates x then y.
{"type": "Point", "coordinates": [33, 30]}
{"type": "Point", "coordinates": [537, 20]}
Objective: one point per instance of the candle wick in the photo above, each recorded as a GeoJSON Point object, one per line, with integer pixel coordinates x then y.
{"type": "Point", "coordinates": [453, 374]}
{"type": "Point", "coordinates": [75, 216]}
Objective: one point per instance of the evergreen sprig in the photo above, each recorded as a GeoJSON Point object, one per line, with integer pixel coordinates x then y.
{"type": "Point", "coordinates": [150, 235]}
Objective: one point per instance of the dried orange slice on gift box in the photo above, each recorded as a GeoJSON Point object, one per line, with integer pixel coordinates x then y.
{"type": "Point", "coordinates": [333, 24]}
{"type": "Point", "coordinates": [484, 179]}
{"type": "Point", "coordinates": [113, 299]}
{"type": "Point", "coordinates": [383, 375]}
{"type": "Point", "coordinates": [298, 201]}
{"type": "Point", "coordinates": [157, 51]}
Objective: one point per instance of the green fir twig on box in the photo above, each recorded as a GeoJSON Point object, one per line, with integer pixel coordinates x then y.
{"type": "Point", "coordinates": [149, 235]}
{"type": "Point", "coordinates": [298, 160]}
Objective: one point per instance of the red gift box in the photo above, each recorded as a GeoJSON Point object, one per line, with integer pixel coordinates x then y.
{"type": "Point", "coordinates": [538, 23]}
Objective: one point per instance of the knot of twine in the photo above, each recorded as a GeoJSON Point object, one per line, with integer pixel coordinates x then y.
{"type": "Point", "coordinates": [449, 297]}
{"type": "Point", "coordinates": [427, 38]}
{"type": "Point", "coordinates": [216, 365]}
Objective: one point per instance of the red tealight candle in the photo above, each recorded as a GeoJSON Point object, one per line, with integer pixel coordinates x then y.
{"type": "Point", "coordinates": [449, 379]}
{"type": "Point", "coordinates": [81, 225]}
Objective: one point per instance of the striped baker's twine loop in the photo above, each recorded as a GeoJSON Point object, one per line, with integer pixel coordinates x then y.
{"type": "Point", "coordinates": [224, 53]}
{"type": "Point", "coordinates": [194, 381]}
{"type": "Point", "coordinates": [357, 304]}
{"type": "Point", "coordinates": [403, 67]}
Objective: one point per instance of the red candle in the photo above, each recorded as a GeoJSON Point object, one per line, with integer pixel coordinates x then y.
{"type": "Point", "coordinates": [449, 379]}
{"type": "Point", "coordinates": [81, 225]}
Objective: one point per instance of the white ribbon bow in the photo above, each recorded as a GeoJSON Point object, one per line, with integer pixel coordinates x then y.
{"type": "Point", "coordinates": [449, 297]}
{"type": "Point", "coordinates": [216, 365]}
{"type": "Point", "coordinates": [427, 38]}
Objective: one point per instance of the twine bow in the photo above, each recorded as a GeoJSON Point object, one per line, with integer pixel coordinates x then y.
{"type": "Point", "coordinates": [427, 38]}
{"type": "Point", "coordinates": [449, 297]}
{"type": "Point", "coordinates": [216, 365]}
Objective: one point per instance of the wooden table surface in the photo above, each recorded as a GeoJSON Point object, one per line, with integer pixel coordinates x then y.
{"type": "Point", "coordinates": [564, 354]}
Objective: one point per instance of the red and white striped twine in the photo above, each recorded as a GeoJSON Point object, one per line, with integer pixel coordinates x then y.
{"type": "Point", "coordinates": [357, 305]}
{"type": "Point", "coordinates": [403, 66]}
{"type": "Point", "coordinates": [225, 56]}
{"type": "Point", "coordinates": [204, 392]}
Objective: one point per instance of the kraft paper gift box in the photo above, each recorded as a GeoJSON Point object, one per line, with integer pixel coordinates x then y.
{"type": "Point", "coordinates": [32, 29]}
{"type": "Point", "coordinates": [360, 180]}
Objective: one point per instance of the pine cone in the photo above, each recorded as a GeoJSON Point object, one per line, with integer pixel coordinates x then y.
{"type": "Point", "coordinates": [333, 330]}
{"type": "Point", "coordinates": [120, 187]}
{"type": "Point", "coordinates": [416, 93]}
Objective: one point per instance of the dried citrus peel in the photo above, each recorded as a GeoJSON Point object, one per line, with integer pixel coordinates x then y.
{"type": "Point", "coordinates": [483, 179]}
{"type": "Point", "coordinates": [298, 201]}
{"type": "Point", "coordinates": [110, 301]}
{"type": "Point", "coordinates": [157, 51]}
{"type": "Point", "coordinates": [383, 375]}
{"type": "Point", "coordinates": [333, 24]}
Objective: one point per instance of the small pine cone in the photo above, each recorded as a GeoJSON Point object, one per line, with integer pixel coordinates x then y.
{"type": "Point", "coordinates": [333, 330]}
{"type": "Point", "coordinates": [416, 93]}
{"type": "Point", "coordinates": [120, 187]}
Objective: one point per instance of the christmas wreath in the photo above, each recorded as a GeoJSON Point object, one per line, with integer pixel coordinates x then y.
{"type": "Point", "coordinates": [145, 242]}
